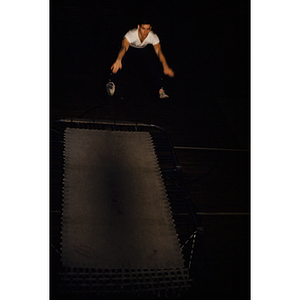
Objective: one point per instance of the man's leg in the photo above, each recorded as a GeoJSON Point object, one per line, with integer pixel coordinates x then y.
{"type": "Point", "coordinates": [152, 65]}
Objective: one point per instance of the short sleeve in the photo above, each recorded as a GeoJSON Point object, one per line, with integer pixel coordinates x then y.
{"type": "Point", "coordinates": [155, 39]}
{"type": "Point", "coordinates": [129, 36]}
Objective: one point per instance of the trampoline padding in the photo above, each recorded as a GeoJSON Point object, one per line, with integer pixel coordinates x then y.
{"type": "Point", "coordinates": [116, 213]}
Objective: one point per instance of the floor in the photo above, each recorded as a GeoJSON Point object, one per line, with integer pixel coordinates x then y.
{"type": "Point", "coordinates": [207, 115]}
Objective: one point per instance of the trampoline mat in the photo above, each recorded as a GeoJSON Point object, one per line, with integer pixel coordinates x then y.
{"type": "Point", "coordinates": [116, 212]}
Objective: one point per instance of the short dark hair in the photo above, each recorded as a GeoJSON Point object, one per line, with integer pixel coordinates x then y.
{"type": "Point", "coordinates": [144, 20]}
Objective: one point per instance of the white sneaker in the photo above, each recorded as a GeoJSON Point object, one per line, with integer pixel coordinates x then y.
{"type": "Point", "coordinates": [110, 88]}
{"type": "Point", "coordinates": [162, 94]}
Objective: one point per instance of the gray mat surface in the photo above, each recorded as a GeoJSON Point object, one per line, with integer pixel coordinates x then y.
{"type": "Point", "coordinates": [116, 212]}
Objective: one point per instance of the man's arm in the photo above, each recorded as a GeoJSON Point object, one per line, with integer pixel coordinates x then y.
{"type": "Point", "coordinates": [118, 63]}
{"type": "Point", "coordinates": [167, 70]}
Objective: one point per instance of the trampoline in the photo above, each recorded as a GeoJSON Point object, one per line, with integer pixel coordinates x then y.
{"type": "Point", "coordinates": [117, 212]}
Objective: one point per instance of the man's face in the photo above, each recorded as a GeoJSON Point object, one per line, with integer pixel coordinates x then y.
{"type": "Point", "coordinates": [144, 30]}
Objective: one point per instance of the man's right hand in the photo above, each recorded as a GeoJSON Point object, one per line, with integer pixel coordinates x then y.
{"type": "Point", "coordinates": [118, 63]}
{"type": "Point", "coordinates": [116, 66]}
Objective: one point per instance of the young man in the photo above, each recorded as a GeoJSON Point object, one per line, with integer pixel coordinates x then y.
{"type": "Point", "coordinates": [139, 43]}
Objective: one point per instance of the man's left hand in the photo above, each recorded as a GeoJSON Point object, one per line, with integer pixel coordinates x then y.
{"type": "Point", "coordinates": [169, 72]}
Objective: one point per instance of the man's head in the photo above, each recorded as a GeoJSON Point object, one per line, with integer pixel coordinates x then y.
{"type": "Point", "coordinates": [144, 27]}
{"type": "Point", "coordinates": [144, 30]}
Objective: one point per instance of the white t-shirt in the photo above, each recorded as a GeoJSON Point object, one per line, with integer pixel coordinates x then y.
{"type": "Point", "coordinates": [133, 38]}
